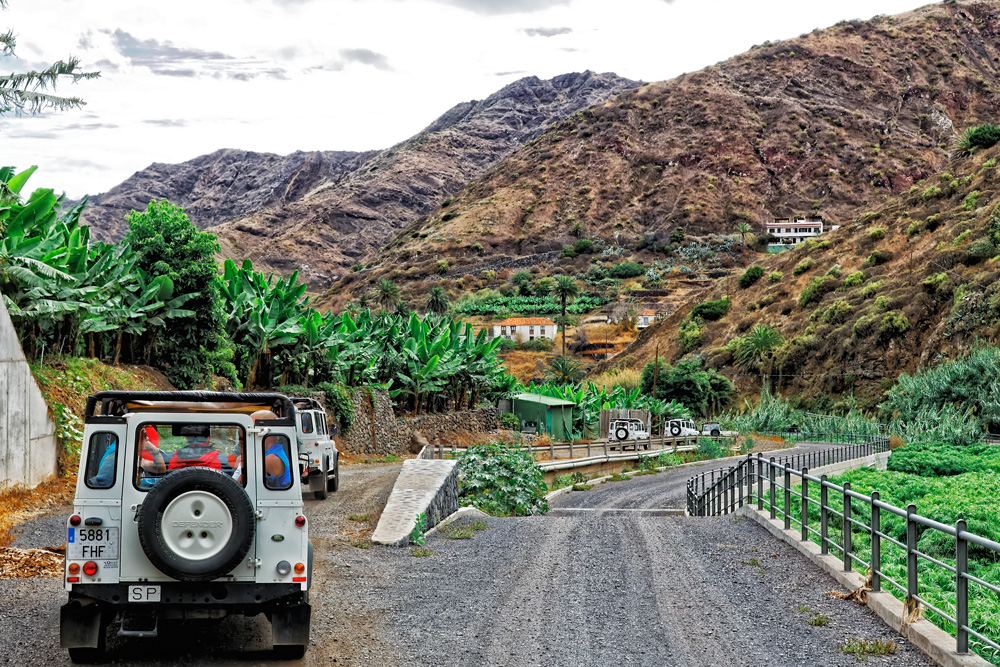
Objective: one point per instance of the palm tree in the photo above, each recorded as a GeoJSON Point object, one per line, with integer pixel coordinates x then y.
{"type": "Point", "coordinates": [744, 231]}
{"type": "Point", "coordinates": [565, 288]}
{"type": "Point", "coordinates": [386, 293]}
{"type": "Point", "coordinates": [437, 301]}
{"type": "Point", "coordinates": [564, 370]}
{"type": "Point", "coordinates": [757, 347]}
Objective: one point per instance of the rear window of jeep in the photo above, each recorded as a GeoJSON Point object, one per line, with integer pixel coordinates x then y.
{"type": "Point", "coordinates": [162, 448]}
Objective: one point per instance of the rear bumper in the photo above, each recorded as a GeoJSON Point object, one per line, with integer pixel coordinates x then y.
{"type": "Point", "coordinates": [201, 595]}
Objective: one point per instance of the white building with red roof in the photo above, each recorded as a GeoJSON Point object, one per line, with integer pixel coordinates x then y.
{"type": "Point", "coordinates": [523, 329]}
{"type": "Point", "coordinates": [645, 318]}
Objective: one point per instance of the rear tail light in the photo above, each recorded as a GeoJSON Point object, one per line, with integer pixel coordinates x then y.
{"type": "Point", "coordinates": [299, 568]}
{"type": "Point", "coordinates": [75, 520]}
{"type": "Point", "coordinates": [300, 521]}
{"type": "Point", "coordinates": [90, 568]}
{"type": "Point", "coordinates": [74, 568]}
{"type": "Point", "coordinates": [284, 567]}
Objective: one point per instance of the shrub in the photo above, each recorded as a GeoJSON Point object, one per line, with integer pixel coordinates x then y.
{"type": "Point", "coordinates": [750, 276]}
{"type": "Point", "coordinates": [913, 229]}
{"type": "Point", "coordinates": [962, 238]}
{"type": "Point", "coordinates": [802, 267]}
{"type": "Point", "coordinates": [876, 233]}
{"type": "Point", "coordinates": [931, 193]}
{"type": "Point", "coordinates": [883, 303]}
{"type": "Point", "coordinates": [510, 422]}
{"type": "Point", "coordinates": [815, 290]}
{"type": "Point", "coordinates": [934, 282]}
{"type": "Point", "coordinates": [710, 311]}
{"type": "Point", "coordinates": [979, 136]}
{"type": "Point", "coordinates": [677, 236]}
{"type": "Point", "coordinates": [687, 385]}
{"type": "Point", "coordinates": [583, 246]}
{"type": "Point", "coordinates": [689, 334]}
{"type": "Point", "coordinates": [775, 276]}
{"type": "Point", "coordinates": [893, 324]}
{"type": "Point", "coordinates": [442, 266]}
{"type": "Point", "coordinates": [933, 459]}
{"type": "Point", "coordinates": [710, 449]}
{"type": "Point", "coordinates": [970, 200]}
{"type": "Point", "coordinates": [501, 481]}
{"type": "Point", "coordinates": [854, 279]}
{"type": "Point", "coordinates": [864, 326]}
{"type": "Point", "coordinates": [933, 222]}
{"type": "Point", "coordinates": [878, 257]}
{"type": "Point", "coordinates": [568, 252]}
{"type": "Point", "coordinates": [868, 291]}
{"type": "Point", "coordinates": [537, 345]}
{"type": "Point", "coordinates": [837, 312]}
{"type": "Point", "coordinates": [626, 270]}
{"type": "Point", "coordinates": [982, 248]}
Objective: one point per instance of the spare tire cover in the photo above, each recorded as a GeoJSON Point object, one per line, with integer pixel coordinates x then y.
{"type": "Point", "coordinates": [621, 433]}
{"type": "Point", "coordinates": [196, 524]}
{"type": "Point", "coordinates": [675, 429]}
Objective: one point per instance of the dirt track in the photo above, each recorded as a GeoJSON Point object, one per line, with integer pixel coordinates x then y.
{"type": "Point", "coordinates": [607, 585]}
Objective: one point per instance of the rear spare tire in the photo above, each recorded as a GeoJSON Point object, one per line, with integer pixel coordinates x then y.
{"type": "Point", "coordinates": [196, 524]}
{"type": "Point", "coordinates": [675, 430]}
{"type": "Point", "coordinates": [621, 433]}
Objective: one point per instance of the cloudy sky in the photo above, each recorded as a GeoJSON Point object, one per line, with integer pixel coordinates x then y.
{"type": "Point", "coordinates": [187, 77]}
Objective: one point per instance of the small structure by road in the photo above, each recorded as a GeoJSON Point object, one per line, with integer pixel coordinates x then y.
{"type": "Point", "coordinates": [544, 414]}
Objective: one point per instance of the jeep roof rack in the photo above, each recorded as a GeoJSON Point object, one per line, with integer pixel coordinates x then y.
{"type": "Point", "coordinates": [306, 403]}
{"type": "Point", "coordinates": [115, 404]}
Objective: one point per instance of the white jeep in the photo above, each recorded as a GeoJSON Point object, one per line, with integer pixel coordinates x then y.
{"type": "Point", "coordinates": [319, 457]}
{"type": "Point", "coordinates": [682, 428]}
{"type": "Point", "coordinates": [186, 507]}
{"type": "Point", "coordinates": [623, 430]}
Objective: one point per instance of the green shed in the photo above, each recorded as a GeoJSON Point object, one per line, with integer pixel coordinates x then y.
{"type": "Point", "coordinates": [543, 414]}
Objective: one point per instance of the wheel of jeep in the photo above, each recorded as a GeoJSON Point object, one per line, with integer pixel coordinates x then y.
{"type": "Point", "coordinates": [333, 483]}
{"type": "Point", "coordinates": [196, 524]}
{"type": "Point", "coordinates": [675, 430]}
{"type": "Point", "coordinates": [621, 433]}
{"type": "Point", "coordinates": [317, 483]}
{"type": "Point", "coordinates": [716, 433]}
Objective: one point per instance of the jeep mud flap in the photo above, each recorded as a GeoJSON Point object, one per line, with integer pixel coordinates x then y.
{"type": "Point", "coordinates": [80, 625]}
{"type": "Point", "coordinates": [290, 625]}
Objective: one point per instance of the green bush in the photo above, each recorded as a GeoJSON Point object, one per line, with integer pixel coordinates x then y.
{"type": "Point", "coordinates": [933, 283]}
{"type": "Point", "coordinates": [709, 448]}
{"type": "Point", "coordinates": [815, 289]}
{"type": "Point", "coordinates": [931, 193]}
{"type": "Point", "coordinates": [933, 222]}
{"type": "Point", "coordinates": [750, 276]}
{"type": "Point", "coordinates": [913, 229]}
{"type": "Point", "coordinates": [677, 236]}
{"type": "Point", "coordinates": [802, 267]}
{"type": "Point", "coordinates": [876, 233]}
{"type": "Point", "coordinates": [868, 291]}
{"type": "Point", "coordinates": [982, 248]}
{"type": "Point", "coordinates": [711, 311]}
{"type": "Point", "coordinates": [510, 422]}
{"type": "Point", "coordinates": [501, 480]}
{"type": "Point", "coordinates": [442, 266]}
{"type": "Point", "coordinates": [934, 459]}
{"type": "Point", "coordinates": [837, 312]}
{"type": "Point", "coordinates": [854, 279]}
{"type": "Point", "coordinates": [864, 326]}
{"type": "Point", "coordinates": [583, 246]}
{"type": "Point", "coordinates": [626, 270]}
{"type": "Point", "coordinates": [970, 200]}
{"type": "Point", "coordinates": [568, 252]}
{"type": "Point", "coordinates": [702, 391]}
{"type": "Point", "coordinates": [893, 324]}
{"type": "Point", "coordinates": [977, 137]}
{"type": "Point", "coordinates": [878, 257]}
{"type": "Point", "coordinates": [775, 276]}
{"type": "Point", "coordinates": [689, 334]}
{"type": "Point", "coordinates": [537, 345]}
{"type": "Point", "coordinates": [339, 401]}
{"type": "Point", "coordinates": [883, 303]}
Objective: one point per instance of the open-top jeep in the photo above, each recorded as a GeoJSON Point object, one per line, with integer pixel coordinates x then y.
{"type": "Point", "coordinates": [318, 453]}
{"type": "Point", "coordinates": [187, 506]}
{"type": "Point", "coordinates": [628, 429]}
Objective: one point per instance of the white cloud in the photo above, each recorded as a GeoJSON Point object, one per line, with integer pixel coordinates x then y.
{"type": "Point", "coordinates": [185, 78]}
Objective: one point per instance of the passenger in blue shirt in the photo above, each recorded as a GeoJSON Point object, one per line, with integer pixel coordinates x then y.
{"type": "Point", "coordinates": [105, 476]}
{"type": "Point", "coordinates": [277, 467]}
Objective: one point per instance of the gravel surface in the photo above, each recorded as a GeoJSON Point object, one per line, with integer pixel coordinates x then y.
{"type": "Point", "coordinates": [597, 587]}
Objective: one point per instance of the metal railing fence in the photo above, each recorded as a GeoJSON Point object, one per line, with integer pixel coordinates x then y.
{"type": "Point", "coordinates": [833, 519]}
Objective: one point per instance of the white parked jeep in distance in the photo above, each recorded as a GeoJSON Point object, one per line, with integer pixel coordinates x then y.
{"type": "Point", "coordinates": [187, 506]}
{"type": "Point", "coordinates": [318, 454]}
{"type": "Point", "coordinates": [623, 430]}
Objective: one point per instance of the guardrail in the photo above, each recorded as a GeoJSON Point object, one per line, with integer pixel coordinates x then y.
{"type": "Point", "coordinates": [758, 480]}
{"type": "Point", "coordinates": [588, 449]}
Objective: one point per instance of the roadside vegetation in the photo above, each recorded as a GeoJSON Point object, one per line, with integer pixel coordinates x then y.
{"type": "Point", "coordinates": [501, 480]}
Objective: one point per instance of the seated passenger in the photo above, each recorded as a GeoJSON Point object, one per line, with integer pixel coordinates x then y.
{"type": "Point", "coordinates": [152, 460]}
{"type": "Point", "coordinates": [277, 467]}
{"type": "Point", "coordinates": [197, 453]}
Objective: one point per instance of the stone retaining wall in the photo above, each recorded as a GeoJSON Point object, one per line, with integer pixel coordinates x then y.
{"type": "Point", "coordinates": [423, 487]}
{"type": "Point", "coordinates": [377, 431]}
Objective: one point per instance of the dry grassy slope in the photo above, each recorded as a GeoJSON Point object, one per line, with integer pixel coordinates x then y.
{"type": "Point", "coordinates": [833, 121]}
{"type": "Point", "coordinates": [946, 235]}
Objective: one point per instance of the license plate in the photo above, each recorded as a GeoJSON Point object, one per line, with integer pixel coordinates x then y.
{"type": "Point", "coordinates": [143, 593]}
{"type": "Point", "coordinates": [92, 544]}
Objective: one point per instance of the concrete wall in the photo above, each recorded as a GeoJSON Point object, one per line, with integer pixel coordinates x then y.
{"type": "Point", "coordinates": [28, 449]}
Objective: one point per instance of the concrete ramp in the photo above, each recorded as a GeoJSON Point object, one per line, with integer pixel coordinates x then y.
{"type": "Point", "coordinates": [28, 450]}
{"type": "Point", "coordinates": [423, 487]}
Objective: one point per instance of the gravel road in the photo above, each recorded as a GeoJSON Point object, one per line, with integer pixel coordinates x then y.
{"type": "Point", "coordinates": [592, 586]}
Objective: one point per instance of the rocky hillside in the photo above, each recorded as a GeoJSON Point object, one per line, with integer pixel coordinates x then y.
{"type": "Point", "coordinates": [832, 122]}
{"type": "Point", "coordinates": [324, 212]}
{"type": "Point", "coordinates": [902, 286]}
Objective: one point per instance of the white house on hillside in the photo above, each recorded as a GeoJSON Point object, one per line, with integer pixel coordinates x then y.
{"type": "Point", "coordinates": [645, 319]}
{"type": "Point", "coordinates": [524, 329]}
{"type": "Point", "coordinates": [790, 232]}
